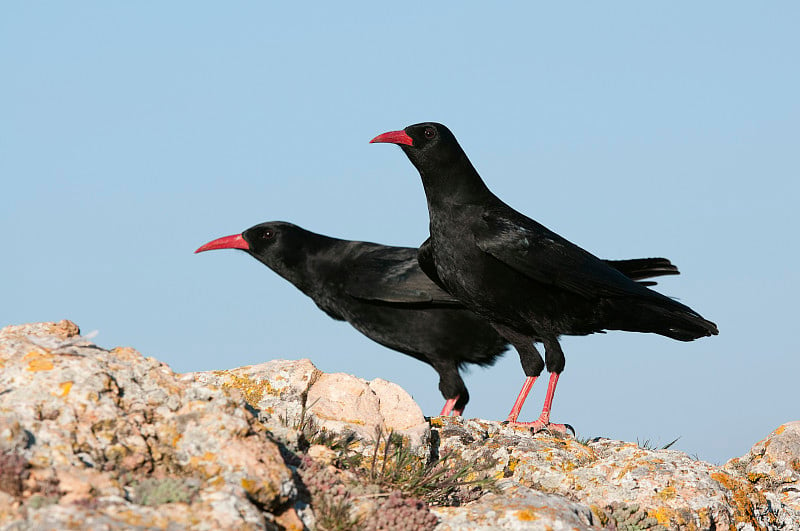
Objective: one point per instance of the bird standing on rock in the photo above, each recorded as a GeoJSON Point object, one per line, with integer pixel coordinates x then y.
{"type": "Point", "coordinates": [382, 292]}
{"type": "Point", "coordinates": [531, 284]}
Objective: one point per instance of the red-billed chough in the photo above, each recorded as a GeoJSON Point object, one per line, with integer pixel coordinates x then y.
{"type": "Point", "coordinates": [531, 284]}
{"type": "Point", "coordinates": [382, 292]}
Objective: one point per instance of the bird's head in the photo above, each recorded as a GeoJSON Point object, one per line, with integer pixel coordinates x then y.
{"type": "Point", "coordinates": [442, 164]}
{"type": "Point", "coordinates": [277, 244]}
{"type": "Point", "coordinates": [428, 145]}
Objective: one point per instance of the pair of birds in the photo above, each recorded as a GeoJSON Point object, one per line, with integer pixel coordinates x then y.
{"type": "Point", "coordinates": [487, 277]}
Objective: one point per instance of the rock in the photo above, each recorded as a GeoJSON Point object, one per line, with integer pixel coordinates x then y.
{"type": "Point", "coordinates": [772, 468]}
{"type": "Point", "coordinates": [108, 439]}
{"type": "Point", "coordinates": [290, 393]}
{"type": "Point", "coordinates": [96, 438]}
{"type": "Point", "coordinates": [620, 483]}
{"type": "Point", "coordinates": [518, 508]}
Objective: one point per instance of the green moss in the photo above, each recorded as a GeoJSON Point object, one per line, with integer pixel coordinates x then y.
{"type": "Point", "coordinates": [154, 491]}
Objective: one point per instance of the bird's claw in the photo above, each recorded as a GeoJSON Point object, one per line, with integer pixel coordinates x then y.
{"type": "Point", "coordinates": [539, 425]}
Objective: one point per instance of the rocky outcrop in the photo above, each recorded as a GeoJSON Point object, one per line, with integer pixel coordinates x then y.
{"type": "Point", "coordinates": [614, 484]}
{"type": "Point", "coordinates": [94, 438]}
{"type": "Point", "coordinates": [108, 439]}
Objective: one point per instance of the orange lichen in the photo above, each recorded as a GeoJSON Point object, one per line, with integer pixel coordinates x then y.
{"type": "Point", "coordinates": [741, 492]}
{"type": "Point", "coordinates": [526, 515]}
{"type": "Point", "coordinates": [662, 514]}
{"type": "Point", "coordinates": [627, 468]}
{"type": "Point", "coordinates": [65, 387]}
{"type": "Point", "coordinates": [779, 430]}
{"type": "Point", "coordinates": [38, 361]}
{"type": "Point", "coordinates": [568, 466]}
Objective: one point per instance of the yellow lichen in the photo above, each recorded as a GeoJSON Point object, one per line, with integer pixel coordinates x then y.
{"type": "Point", "coordinates": [667, 493]}
{"type": "Point", "coordinates": [600, 514]}
{"type": "Point", "coordinates": [248, 485]}
{"type": "Point", "coordinates": [512, 464]}
{"type": "Point", "coordinates": [253, 391]}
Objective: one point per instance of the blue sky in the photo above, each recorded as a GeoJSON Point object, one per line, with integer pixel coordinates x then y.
{"type": "Point", "coordinates": [132, 133]}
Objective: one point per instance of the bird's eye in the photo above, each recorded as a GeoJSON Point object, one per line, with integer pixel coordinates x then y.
{"type": "Point", "coordinates": [429, 133]}
{"type": "Point", "coordinates": [268, 234]}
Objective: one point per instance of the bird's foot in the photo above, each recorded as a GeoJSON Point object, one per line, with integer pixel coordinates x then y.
{"type": "Point", "coordinates": [542, 424]}
{"type": "Point", "coordinates": [537, 425]}
{"type": "Point", "coordinates": [449, 408]}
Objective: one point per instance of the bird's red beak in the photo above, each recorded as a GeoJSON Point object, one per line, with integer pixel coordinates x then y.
{"type": "Point", "coordinates": [228, 242]}
{"type": "Point", "coordinates": [393, 137]}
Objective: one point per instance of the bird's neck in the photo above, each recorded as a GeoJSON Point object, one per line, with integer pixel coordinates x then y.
{"type": "Point", "coordinates": [455, 183]}
{"type": "Point", "coordinates": [306, 265]}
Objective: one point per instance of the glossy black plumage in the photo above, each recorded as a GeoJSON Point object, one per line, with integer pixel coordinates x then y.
{"type": "Point", "coordinates": [529, 282]}
{"type": "Point", "coordinates": [382, 292]}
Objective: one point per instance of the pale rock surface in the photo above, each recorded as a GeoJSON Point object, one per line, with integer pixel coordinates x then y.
{"type": "Point", "coordinates": [647, 489]}
{"type": "Point", "coordinates": [288, 393]}
{"type": "Point", "coordinates": [108, 439]}
{"type": "Point", "coordinates": [518, 508]}
{"type": "Point", "coordinates": [84, 428]}
{"type": "Point", "coordinates": [772, 466]}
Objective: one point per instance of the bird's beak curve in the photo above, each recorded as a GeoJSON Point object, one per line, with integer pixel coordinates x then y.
{"type": "Point", "coordinates": [393, 137]}
{"type": "Point", "coordinates": [228, 242]}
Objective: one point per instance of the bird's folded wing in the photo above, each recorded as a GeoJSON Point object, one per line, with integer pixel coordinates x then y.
{"type": "Point", "coordinates": [427, 263]}
{"type": "Point", "coordinates": [396, 282]}
{"type": "Point", "coordinates": [545, 257]}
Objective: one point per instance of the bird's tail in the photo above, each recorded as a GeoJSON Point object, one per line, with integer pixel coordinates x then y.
{"type": "Point", "coordinates": [669, 318]}
{"type": "Point", "coordinates": [643, 268]}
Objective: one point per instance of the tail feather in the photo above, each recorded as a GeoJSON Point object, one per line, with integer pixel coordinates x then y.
{"type": "Point", "coordinates": [667, 317]}
{"type": "Point", "coordinates": [643, 268]}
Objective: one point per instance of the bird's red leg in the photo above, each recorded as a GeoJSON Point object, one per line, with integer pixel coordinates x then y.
{"type": "Point", "coordinates": [523, 394]}
{"type": "Point", "coordinates": [543, 422]}
{"type": "Point", "coordinates": [448, 408]}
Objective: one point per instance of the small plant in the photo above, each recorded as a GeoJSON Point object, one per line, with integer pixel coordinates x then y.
{"type": "Point", "coordinates": [585, 440]}
{"type": "Point", "coordinates": [153, 491]}
{"type": "Point", "coordinates": [442, 481]}
{"type": "Point", "coordinates": [13, 471]}
{"type": "Point", "coordinates": [399, 513]}
{"type": "Point", "coordinates": [37, 501]}
{"type": "Point", "coordinates": [627, 517]}
{"type": "Point", "coordinates": [331, 500]}
{"type": "Point", "coordinates": [647, 444]}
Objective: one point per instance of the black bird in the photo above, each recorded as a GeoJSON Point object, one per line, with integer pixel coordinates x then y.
{"type": "Point", "coordinates": [384, 294]}
{"type": "Point", "coordinates": [531, 284]}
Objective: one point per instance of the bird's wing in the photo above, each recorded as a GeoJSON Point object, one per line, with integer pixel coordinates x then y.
{"type": "Point", "coordinates": [544, 256]}
{"type": "Point", "coordinates": [427, 262]}
{"type": "Point", "coordinates": [392, 275]}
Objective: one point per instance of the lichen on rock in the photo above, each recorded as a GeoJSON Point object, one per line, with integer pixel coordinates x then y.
{"type": "Point", "coordinates": [92, 438]}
